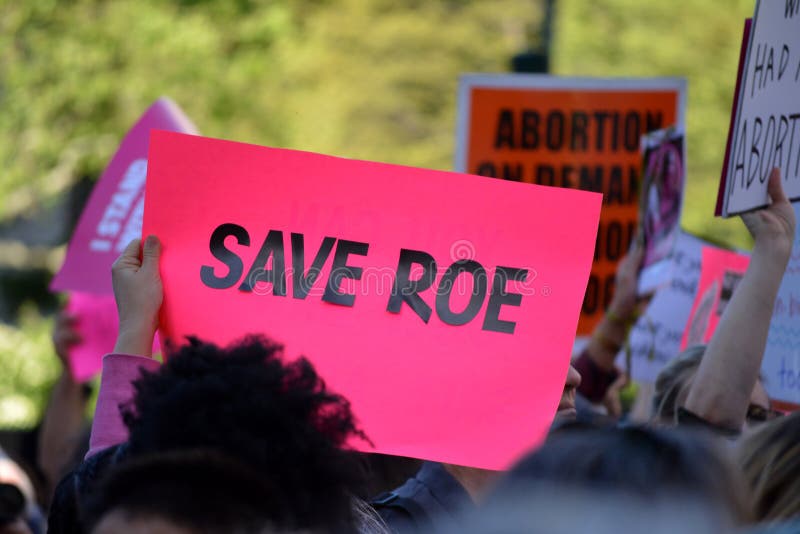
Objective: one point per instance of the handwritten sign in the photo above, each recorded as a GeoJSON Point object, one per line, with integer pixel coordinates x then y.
{"type": "Point", "coordinates": [767, 126]}
{"type": "Point", "coordinates": [781, 366]}
{"type": "Point", "coordinates": [581, 133]}
{"type": "Point", "coordinates": [443, 306]}
{"type": "Point", "coordinates": [113, 215]}
{"type": "Point", "coordinates": [656, 336]}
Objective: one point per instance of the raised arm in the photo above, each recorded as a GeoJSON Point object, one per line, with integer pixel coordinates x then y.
{"type": "Point", "coordinates": [596, 363]}
{"type": "Point", "coordinates": [64, 423]}
{"type": "Point", "coordinates": [138, 292]}
{"type": "Point", "coordinates": [721, 390]}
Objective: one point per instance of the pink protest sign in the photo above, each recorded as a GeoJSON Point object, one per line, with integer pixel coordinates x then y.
{"type": "Point", "coordinates": [113, 215]}
{"type": "Point", "coordinates": [720, 273]}
{"type": "Point", "coordinates": [96, 323]}
{"type": "Point", "coordinates": [442, 305]}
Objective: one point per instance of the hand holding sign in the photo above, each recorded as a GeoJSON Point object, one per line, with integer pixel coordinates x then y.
{"type": "Point", "coordinates": [773, 227]}
{"type": "Point", "coordinates": [139, 293]}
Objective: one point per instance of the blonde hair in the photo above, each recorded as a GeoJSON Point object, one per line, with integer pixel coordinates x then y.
{"type": "Point", "coordinates": [673, 383]}
{"type": "Point", "coordinates": [770, 459]}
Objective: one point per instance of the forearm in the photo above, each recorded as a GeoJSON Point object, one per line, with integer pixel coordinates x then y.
{"type": "Point", "coordinates": [720, 392]}
{"type": "Point", "coordinates": [62, 427]}
{"type": "Point", "coordinates": [608, 338]}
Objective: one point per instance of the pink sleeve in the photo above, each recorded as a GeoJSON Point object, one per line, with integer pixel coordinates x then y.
{"type": "Point", "coordinates": [116, 388]}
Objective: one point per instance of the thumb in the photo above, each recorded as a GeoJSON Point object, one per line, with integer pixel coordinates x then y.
{"type": "Point", "coordinates": [775, 187]}
{"type": "Point", "coordinates": [151, 253]}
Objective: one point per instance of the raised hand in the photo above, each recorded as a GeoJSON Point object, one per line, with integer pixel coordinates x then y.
{"type": "Point", "coordinates": [139, 293]}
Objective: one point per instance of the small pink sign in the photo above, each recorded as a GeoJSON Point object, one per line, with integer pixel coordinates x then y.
{"type": "Point", "coordinates": [113, 215]}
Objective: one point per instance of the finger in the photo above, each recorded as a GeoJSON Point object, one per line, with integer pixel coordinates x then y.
{"type": "Point", "coordinates": [132, 250]}
{"type": "Point", "coordinates": [775, 187]}
{"type": "Point", "coordinates": [151, 253]}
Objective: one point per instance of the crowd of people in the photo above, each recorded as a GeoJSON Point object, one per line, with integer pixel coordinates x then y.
{"type": "Point", "coordinates": [243, 439]}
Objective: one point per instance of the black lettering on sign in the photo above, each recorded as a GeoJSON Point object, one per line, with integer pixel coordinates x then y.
{"type": "Point", "coordinates": [226, 256]}
{"type": "Point", "coordinates": [406, 290]}
{"type": "Point", "coordinates": [504, 136]}
{"type": "Point", "coordinates": [447, 284]}
{"type": "Point", "coordinates": [739, 145]}
{"type": "Point", "coordinates": [302, 281]}
{"type": "Point", "coordinates": [608, 290]}
{"type": "Point", "coordinates": [530, 129]}
{"type": "Point", "coordinates": [555, 130]}
{"type": "Point", "coordinates": [592, 178]}
{"type": "Point", "coordinates": [784, 61]}
{"type": "Point", "coordinates": [579, 140]}
{"type": "Point", "coordinates": [590, 300]}
{"type": "Point", "coordinates": [509, 171]}
{"type": "Point", "coordinates": [615, 195]}
{"type": "Point", "coordinates": [633, 184]}
{"type": "Point", "coordinates": [769, 145]}
{"type": "Point", "coordinates": [614, 241]}
{"type": "Point", "coordinates": [654, 120]}
{"type": "Point", "coordinates": [486, 168]}
{"type": "Point", "coordinates": [272, 247]}
{"type": "Point", "coordinates": [752, 170]}
{"type": "Point", "coordinates": [783, 129]}
{"type": "Point", "coordinates": [758, 69]}
{"type": "Point", "coordinates": [500, 297]}
{"type": "Point", "coordinates": [633, 131]}
{"type": "Point", "coordinates": [340, 270]}
{"type": "Point", "coordinates": [792, 9]}
{"type": "Point", "coordinates": [599, 137]}
{"type": "Point", "coordinates": [545, 175]}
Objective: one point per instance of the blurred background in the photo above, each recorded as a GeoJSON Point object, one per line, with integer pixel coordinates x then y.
{"type": "Point", "coordinates": [368, 79]}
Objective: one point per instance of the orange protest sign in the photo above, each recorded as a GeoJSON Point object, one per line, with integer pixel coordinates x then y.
{"type": "Point", "coordinates": [570, 132]}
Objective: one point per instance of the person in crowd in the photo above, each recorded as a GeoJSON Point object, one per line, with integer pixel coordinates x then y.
{"type": "Point", "coordinates": [438, 494]}
{"type": "Point", "coordinates": [717, 386]}
{"type": "Point", "coordinates": [642, 461]}
{"type": "Point", "coordinates": [187, 492]}
{"type": "Point", "coordinates": [673, 384]}
{"type": "Point", "coordinates": [244, 401]}
{"type": "Point", "coordinates": [19, 511]}
{"type": "Point", "coordinates": [64, 433]}
{"type": "Point", "coordinates": [720, 394]}
{"type": "Point", "coordinates": [601, 380]}
{"type": "Point", "coordinates": [554, 509]}
{"type": "Point", "coordinates": [770, 459]}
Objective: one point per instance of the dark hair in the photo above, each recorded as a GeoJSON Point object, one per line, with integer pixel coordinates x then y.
{"type": "Point", "coordinates": [646, 462]}
{"type": "Point", "coordinates": [202, 491]}
{"type": "Point", "coordinates": [243, 401]}
{"type": "Point", "coordinates": [64, 516]}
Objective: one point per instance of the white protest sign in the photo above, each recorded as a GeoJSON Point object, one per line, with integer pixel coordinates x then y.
{"type": "Point", "coordinates": [766, 130]}
{"type": "Point", "coordinates": [781, 366]}
{"type": "Point", "coordinates": [656, 337]}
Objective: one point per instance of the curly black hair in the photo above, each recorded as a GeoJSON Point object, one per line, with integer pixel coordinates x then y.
{"type": "Point", "coordinates": [245, 402]}
{"type": "Point", "coordinates": [202, 491]}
